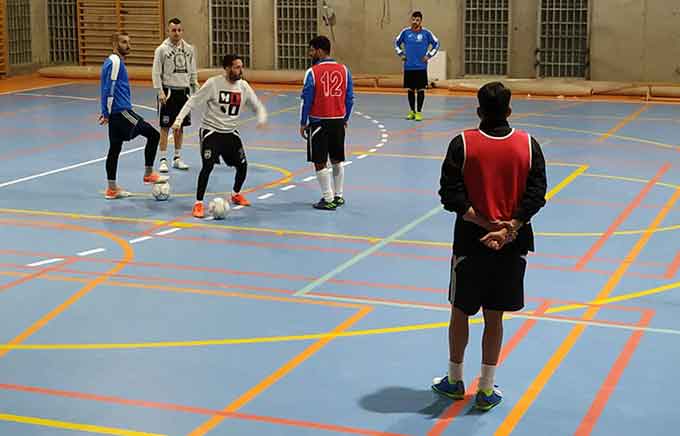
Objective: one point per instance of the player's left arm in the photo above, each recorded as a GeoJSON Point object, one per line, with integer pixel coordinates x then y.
{"type": "Point", "coordinates": [255, 104]}
{"type": "Point", "coordinates": [534, 194]}
{"type": "Point", "coordinates": [434, 45]}
{"type": "Point", "coordinates": [349, 95]}
{"type": "Point", "coordinates": [193, 72]}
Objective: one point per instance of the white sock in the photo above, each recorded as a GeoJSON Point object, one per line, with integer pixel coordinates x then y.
{"type": "Point", "coordinates": [324, 178]}
{"type": "Point", "coordinates": [455, 371]}
{"type": "Point", "coordinates": [486, 379]}
{"type": "Point", "coordinates": [164, 154]}
{"type": "Point", "coordinates": [338, 178]}
{"type": "Point", "coordinates": [177, 153]}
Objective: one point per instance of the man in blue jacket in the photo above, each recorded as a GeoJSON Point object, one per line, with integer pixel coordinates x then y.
{"type": "Point", "coordinates": [124, 124]}
{"type": "Point", "coordinates": [419, 46]}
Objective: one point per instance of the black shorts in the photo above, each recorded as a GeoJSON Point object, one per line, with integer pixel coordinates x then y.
{"type": "Point", "coordinates": [415, 79]}
{"type": "Point", "coordinates": [492, 281]}
{"type": "Point", "coordinates": [226, 145]}
{"type": "Point", "coordinates": [125, 126]}
{"type": "Point", "coordinates": [173, 105]}
{"type": "Point", "coordinates": [326, 138]}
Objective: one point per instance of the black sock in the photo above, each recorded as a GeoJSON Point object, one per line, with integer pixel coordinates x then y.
{"type": "Point", "coordinates": [241, 171]}
{"type": "Point", "coordinates": [412, 99]}
{"type": "Point", "coordinates": [421, 99]}
{"type": "Point", "coordinates": [203, 177]}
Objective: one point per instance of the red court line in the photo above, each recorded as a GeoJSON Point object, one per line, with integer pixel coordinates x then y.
{"type": "Point", "coordinates": [592, 251]}
{"type": "Point", "coordinates": [192, 410]}
{"type": "Point", "coordinates": [450, 414]}
{"type": "Point", "coordinates": [37, 274]}
{"type": "Point", "coordinates": [673, 268]}
{"type": "Point", "coordinates": [609, 385]}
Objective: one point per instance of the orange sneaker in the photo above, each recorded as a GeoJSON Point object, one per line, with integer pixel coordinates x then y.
{"type": "Point", "coordinates": [240, 199]}
{"type": "Point", "coordinates": [113, 194]}
{"type": "Point", "coordinates": [197, 211]}
{"type": "Point", "coordinates": [155, 178]}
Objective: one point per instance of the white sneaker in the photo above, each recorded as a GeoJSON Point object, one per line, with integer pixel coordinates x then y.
{"type": "Point", "coordinates": [179, 164]}
{"type": "Point", "coordinates": [163, 167]}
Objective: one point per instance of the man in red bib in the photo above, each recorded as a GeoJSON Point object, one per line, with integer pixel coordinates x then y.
{"type": "Point", "coordinates": [494, 179]}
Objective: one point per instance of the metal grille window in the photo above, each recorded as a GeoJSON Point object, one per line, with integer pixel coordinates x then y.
{"type": "Point", "coordinates": [563, 41]}
{"type": "Point", "coordinates": [19, 31]}
{"type": "Point", "coordinates": [486, 37]}
{"type": "Point", "coordinates": [296, 23]}
{"type": "Point", "coordinates": [63, 25]}
{"type": "Point", "coordinates": [230, 32]}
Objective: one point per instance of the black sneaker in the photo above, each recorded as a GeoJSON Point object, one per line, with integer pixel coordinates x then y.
{"type": "Point", "coordinates": [339, 201]}
{"type": "Point", "coordinates": [324, 205]}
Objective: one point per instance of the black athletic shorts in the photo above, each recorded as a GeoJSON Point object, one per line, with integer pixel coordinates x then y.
{"type": "Point", "coordinates": [326, 138]}
{"type": "Point", "coordinates": [415, 79]}
{"type": "Point", "coordinates": [173, 105]}
{"type": "Point", "coordinates": [492, 281]}
{"type": "Point", "coordinates": [226, 145]}
{"type": "Point", "coordinates": [125, 126]}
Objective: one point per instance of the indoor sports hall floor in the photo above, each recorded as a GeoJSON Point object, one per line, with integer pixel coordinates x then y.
{"type": "Point", "coordinates": [130, 317]}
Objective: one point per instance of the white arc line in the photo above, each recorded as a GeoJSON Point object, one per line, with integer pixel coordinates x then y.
{"type": "Point", "coordinates": [46, 262]}
{"type": "Point", "coordinates": [88, 252]}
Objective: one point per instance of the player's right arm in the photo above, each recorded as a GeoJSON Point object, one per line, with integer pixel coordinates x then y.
{"type": "Point", "coordinates": [198, 99]}
{"type": "Point", "coordinates": [157, 74]}
{"type": "Point", "coordinates": [307, 98]}
{"type": "Point", "coordinates": [398, 41]}
{"type": "Point", "coordinates": [107, 88]}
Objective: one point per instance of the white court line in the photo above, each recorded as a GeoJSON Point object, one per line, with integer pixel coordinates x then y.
{"type": "Point", "coordinates": [88, 252]}
{"type": "Point", "coordinates": [385, 135]}
{"type": "Point", "coordinates": [20, 91]}
{"type": "Point", "coordinates": [349, 162]}
{"type": "Point", "coordinates": [362, 156]}
{"type": "Point", "coordinates": [368, 117]}
{"type": "Point", "coordinates": [379, 145]}
{"type": "Point", "coordinates": [358, 113]}
{"type": "Point", "coordinates": [61, 170]}
{"type": "Point", "coordinates": [375, 121]}
{"type": "Point", "coordinates": [283, 95]}
{"type": "Point", "coordinates": [309, 179]}
{"type": "Point", "coordinates": [287, 188]}
{"type": "Point", "coordinates": [380, 126]}
{"type": "Point", "coordinates": [143, 238]}
{"type": "Point", "coordinates": [240, 206]}
{"type": "Point", "coordinates": [514, 315]}
{"type": "Point", "coordinates": [46, 262]}
{"type": "Point", "coordinates": [265, 196]}
{"type": "Point", "coordinates": [383, 130]}
{"type": "Point", "coordinates": [383, 140]}
{"type": "Point", "coordinates": [74, 97]}
{"type": "Point", "coordinates": [169, 231]}
{"type": "Point", "coordinates": [373, 150]}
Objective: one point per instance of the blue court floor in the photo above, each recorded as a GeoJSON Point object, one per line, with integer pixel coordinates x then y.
{"type": "Point", "coordinates": [130, 317]}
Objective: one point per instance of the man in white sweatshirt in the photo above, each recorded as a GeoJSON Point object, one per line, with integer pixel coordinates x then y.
{"type": "Point", "coordinates": [222, 98]}
{"type": "Point", "coordinates": [175, 77]}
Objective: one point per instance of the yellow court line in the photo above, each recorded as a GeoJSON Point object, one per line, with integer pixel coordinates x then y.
{"type": "Point", "coordinates": [563, 184]}
{"type": "Point", "coordinates": [621, 124]}
{"type": "Point", "coordinates": [287, 338]}
{"type": "Point", "coordinates": [280, 373]}
{"type": "Point", "coordinates": [73, 426]}
{"type": "Point", "coordinates": [593, 133]}
{"type": "Point", "coordinates": [631, 179]}
{"type": "Point", "coordinates": [539, 383]}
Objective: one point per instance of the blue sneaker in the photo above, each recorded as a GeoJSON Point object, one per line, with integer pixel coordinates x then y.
{"type": "Point", "coordinates": [487, 400]}
{"type": "Point", "coordinates": [455, 390]}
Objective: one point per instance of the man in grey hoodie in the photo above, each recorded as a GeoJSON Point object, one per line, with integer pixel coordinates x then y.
{"type": "Point", "coordinates": [175, 77]}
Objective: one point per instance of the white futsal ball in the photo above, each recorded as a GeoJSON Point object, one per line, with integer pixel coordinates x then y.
{"type": "Point", "coordinates": [218, 208]}
{"type": "Point", "coordinates": [161, 191]}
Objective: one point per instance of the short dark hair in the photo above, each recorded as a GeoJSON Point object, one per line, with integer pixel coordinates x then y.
{"type": "Point", "coordinates": [417, 14]}
{"type": "Point", "coordinates": [494, 100]}
{"type": "Point", "coordinates": [116, 35]}
{"type": "Point", "coordinates": [229, 59]}
{"type": "Point", "coordinates": [321, 42]}
{"type": "Point", "coordinates": [174, 21]}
